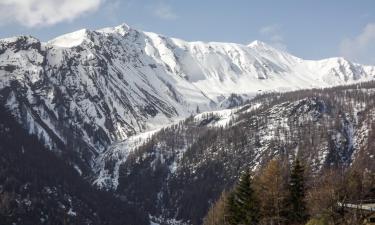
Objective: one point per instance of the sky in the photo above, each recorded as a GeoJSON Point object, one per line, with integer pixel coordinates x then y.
{"type": "Point", "coordinates": [312, 29]}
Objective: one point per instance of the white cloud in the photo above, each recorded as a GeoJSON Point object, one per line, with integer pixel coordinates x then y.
{"type": "Point", "coordinates": [164, 11]}
{"type": "Point", "coordinates": [37, 13]}
{"type": "Point", "coordinates": [362, 47]}
{"type": "Point", "coordinates": [273, 35]}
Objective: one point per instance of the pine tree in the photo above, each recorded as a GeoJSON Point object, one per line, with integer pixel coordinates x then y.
{"type": "Point", "coordinates": [296, 206]}
{"type": "Point", "coordinates": [243, 206]}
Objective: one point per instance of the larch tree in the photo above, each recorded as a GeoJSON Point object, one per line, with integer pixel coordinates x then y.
{"type": "Point", "coordinates": [217, 213]}
{"type": "Point", "coordinates": [270, 187]}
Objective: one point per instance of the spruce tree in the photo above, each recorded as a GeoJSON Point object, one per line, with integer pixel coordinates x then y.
{"type": "Point", "coordinates": [243, 206]}
{"type": "Point", "coordinates": [233, 212]}
{"type": "Point", "coordinates": [297, 212]}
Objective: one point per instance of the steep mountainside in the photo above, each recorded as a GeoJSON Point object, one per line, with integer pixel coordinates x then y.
{"type": "Point", "coordinates": [184, 167]}
{"type": "Point", "coordinates": [37, 187]}
{"type": "Point", "coordinates": [88, 89]}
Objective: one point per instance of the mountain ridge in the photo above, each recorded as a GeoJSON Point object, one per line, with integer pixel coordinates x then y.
{"type": "Point", "coordinates": [135, 113]}
{"type": "Point", "coordinates": [110, 84]}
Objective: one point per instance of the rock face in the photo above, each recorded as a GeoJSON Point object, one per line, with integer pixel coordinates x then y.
{"type": "Point", "coordinates": [87, 94]}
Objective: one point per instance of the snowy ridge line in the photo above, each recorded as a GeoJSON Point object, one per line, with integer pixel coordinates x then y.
{"type": "Point", "coordinates": [114, 83]}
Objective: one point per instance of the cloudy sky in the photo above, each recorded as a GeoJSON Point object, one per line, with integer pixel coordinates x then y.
{"type": "Point", "coordinates": [309, 29]}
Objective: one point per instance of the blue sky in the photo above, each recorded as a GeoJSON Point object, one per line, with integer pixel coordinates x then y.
{"type": "Point", "coordinates": [308, 29]}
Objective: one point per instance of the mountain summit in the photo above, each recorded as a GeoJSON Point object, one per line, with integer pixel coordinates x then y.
{"type": "Point", "coordinates": [109, 84]}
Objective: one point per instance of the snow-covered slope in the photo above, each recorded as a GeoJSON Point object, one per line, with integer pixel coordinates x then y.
{"type": "Point", "coordinates": [107, 177]}
{"type": "Point", "coordinates": [93, 88]}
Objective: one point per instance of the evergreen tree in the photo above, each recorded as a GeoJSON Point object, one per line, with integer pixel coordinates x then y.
{"type": "Point", "coordinates": [243, 206]}
{"type": "Point", "coordinates": [296, 206]}
{"type": "Point", "coordinates": [233, 210]}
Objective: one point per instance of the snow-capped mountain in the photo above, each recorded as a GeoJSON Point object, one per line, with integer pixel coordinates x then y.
{"type": "Point", "coordinates": [88, 89]}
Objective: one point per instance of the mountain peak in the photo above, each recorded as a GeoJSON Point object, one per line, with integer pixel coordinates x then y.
{"type": "Point", "coordinates": [259, 44]}
{"type": "Point", "coordinates": [71, 39]}
{"type": "Point", "coordinates": [123, 26]}
{"type": "Point", "coordinates": [121, 29]}
{"type": "Point", "coordinates": [22, 38]}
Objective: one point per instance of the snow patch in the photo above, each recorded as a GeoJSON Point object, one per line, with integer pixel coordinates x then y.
{"type": "Point", "coordinates": [70, 40]}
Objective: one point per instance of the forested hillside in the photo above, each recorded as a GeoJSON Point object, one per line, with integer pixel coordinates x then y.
{"type": "Point", "coordinates": [183, 168]}
{"type": "Point", "coordinates": [39, 187]}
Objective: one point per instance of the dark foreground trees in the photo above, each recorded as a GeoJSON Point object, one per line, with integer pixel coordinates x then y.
{"type": "Point", "coordinates": [296, 212]}
{"type": "Point", "coordinates": [280, 194]}
{"type": "Point", "coordinates": [243, 205]}
{"type": "Point", "coordinates": [263, 199]}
